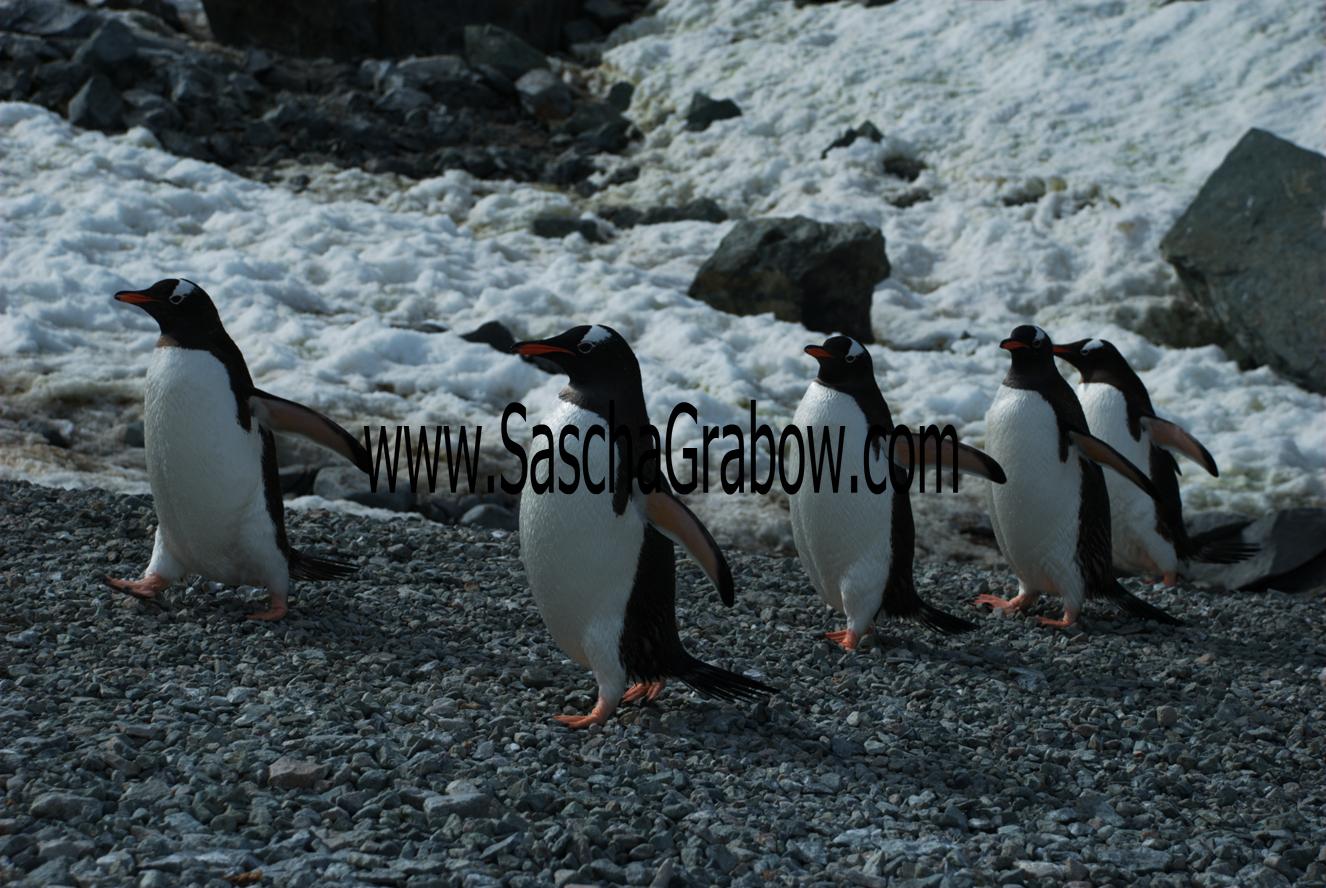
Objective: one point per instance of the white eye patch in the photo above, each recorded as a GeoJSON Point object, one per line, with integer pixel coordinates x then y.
{"type": "Point", "coordinates": [1092, 346]}
{"type": "Point", "coordinates": [1040, 336]}
{"type": "Point", "coordinates": [182, 289]}
{"type": "Point", "coordinates": [595, 335]}
{"type": "Point", "coordinates": [856, 351]}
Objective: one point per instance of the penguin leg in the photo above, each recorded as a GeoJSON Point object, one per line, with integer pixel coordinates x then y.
{"type": "Point", "coordinates": [601, 649]}
{"type": "Point", "coordinates": [277, 593]}
{"type": "Point", "coordinates": [1074, 594]}
{"type": "Point", "coordinates": [860, 604]}
{"type": "Point", "coordinates": [645, 690]}
{"type": "Point", "coordinates": [162, 570]}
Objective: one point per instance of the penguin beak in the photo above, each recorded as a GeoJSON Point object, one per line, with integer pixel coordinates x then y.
{"type": "Point", "coordinates": [1012, 344]}
{"type": "Point", "coordinates": [818, 353]}
{"type": "Point", "coordinates": [133, 297]}
{"type": "Point", "coordinates": [532, 349]}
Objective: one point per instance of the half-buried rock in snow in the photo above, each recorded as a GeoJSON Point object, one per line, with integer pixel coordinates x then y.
{"type": "Point", "coordinates": [1251, 250]}
{"type": "Point", "coordinates": [819, 274]}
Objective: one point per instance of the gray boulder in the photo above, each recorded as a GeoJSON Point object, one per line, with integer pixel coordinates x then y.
{"type": "Point", "coordinates": [488, 47]}
{"type": "Point", "coordinates": [704, 111]}
{"type": "Point", "coordinates": [97, 106]}
{"type": "Point", "coordinates": [1251, 250]}
{"type": "Point", "coordinates": [821, 275]}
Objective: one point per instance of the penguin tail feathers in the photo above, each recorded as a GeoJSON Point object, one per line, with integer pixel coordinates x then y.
{"type": "Point", "coordinates": [310, 567]}
{"type": "Point", "coordinates": [1137, 607]}
{"type": "Point", "coordinates": [712, 681]}
{"type": "Point", "coordinates": [903, 602]}
{"type": "Point", "coordinates": [1230, 550]}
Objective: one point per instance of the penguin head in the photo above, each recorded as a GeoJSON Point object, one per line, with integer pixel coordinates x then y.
{"type": "Point", "coordinates": [1092, 357]}
{"type": "Point", "coordinates": [178, 306]}
{"type": "Point", "coordinates": [589, 354]}
{"type": "Point", "coordinates": [843, 361]}
{"type": "Point", "coordinates": [1030, 346]}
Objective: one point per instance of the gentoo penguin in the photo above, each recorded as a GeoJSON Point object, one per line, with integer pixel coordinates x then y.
{"type": "Point", "coordinates": [211, 457]}
{"type": "Point", "coordinates": [857, 545]}
{"type": "Point", "coordinates": [1148, 534]}
{"type": "Point", "coordinates": [600, 564]}
{"type": "Point", "coordinates": [1052, 518]}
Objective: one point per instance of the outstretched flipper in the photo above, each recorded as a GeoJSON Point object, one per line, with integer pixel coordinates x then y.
{"type": "Point", "coordinates": [1174, 437]}
{"type": "Point", "coordinates": [281, 415]}
{"type": "Point", "coordinates": [1098, 451]}
{"type": "Point", "coordinates": [670, 517]}
{"type": "Point", "coordinates": [1136, 606]}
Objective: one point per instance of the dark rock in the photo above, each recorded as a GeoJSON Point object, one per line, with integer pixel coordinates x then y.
{"type": "Point", "coordinates": [58, 81]}
{"type": "Point", "coordinates": [545, 95]}
{"type": "Point", "coordinates": [112, 45]}
{"type": "Point", "coordinates": [598, 127]}
{"type": "Point", "coordinates": [348, 483]}
{"type": "Point", "coordinates": [818, 274]}
{"type": "Point", "coordinates": [1292, 542]}
{"type": "Point", "coordinates": [910, 198]}
{"type": "Point", "coordinates": [561, 226]}
{"type": "Point", "coordinates": [493, 333]}
{"type": "Point", "coordinates": [447, 78]}
{"type": "Point", "coordinates": [404, 99]}
{"type": "Point", "coordinates": [97, 106]}
{"type": "Point", "coordinates": [705, 111]}
{"type": "Point", "coordinates": [290, 773]}
{"type": "Point", "coordinates": [488, 46]}
{"type": "Point", "coordinates": [160, 9]}
{"type": "Point", "coordinates": [331, 28]}
{"type": "Point", "coordinates": [620, 95]}
{"type": "Point", "coordinates": [902, 167]}
{"type": "Point", "coordinates": [64, 806]}
{"type": "Point", "coordinates": [491, 516]}
{"type": "Point", "coordinates": [568, 168]}
{"type": "Point", "coordinates": [1251, 250]}
{"type": "Point", "coordinates": [133, 434]}
{"type": "Point", "coordinates": [47, 18]}
{"type": "Point", "coordinates": [704, 209]}
{"type": "Point", "coordinates": [866, 130]}
{"type": "Point", "coordinates": [607, 13]}
{"type": "Point", "coordinates": [581, 31]}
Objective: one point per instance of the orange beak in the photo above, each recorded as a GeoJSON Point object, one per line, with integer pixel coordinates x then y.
{"type": "Point", "coordinates": [1012, 344]}
{"type": "Point", "coordinates": [817, 352]}
{"type": "Point", "coordinates": [133, 298]}
{"type": "Point", "coordinates": [540, 348]}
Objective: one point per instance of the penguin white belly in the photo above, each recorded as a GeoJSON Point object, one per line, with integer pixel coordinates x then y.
{"type": "Point", "coordinates": [579, 556]}
{"type": "Point", "coordinates": [1136, 543]}
{"type": "Point", "coordinates": [206, 472]}
{"type": "Point", "coordinates": [1036, 513]}
{"type": "Point", "coordinates": [843, 538]}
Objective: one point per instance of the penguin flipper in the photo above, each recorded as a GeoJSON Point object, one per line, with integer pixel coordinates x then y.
{"type": "Point", "coordinates": [310, 567]}
{"type": "Point", "coordinates": [714, 681]}
{"type": "Point", "coordinates": [281, 415]}
{"type": "Point", "coordinates": [1136, 606]}
{"type": "Point", "coordinates": [940, 451]}
{"type": "Point", "coordinates": [670, 517]}
{"type": "Point", "coordinates": [1099, 452]}
{"type": "Point", "coordinates": [1174, 437]}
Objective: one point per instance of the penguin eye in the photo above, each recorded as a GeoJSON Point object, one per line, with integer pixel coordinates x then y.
{"type": "Point", "coordinates": [850, 358]}
{"type": "Point", "coordinates": [585, 348]}
{"type": "Point", "coordinates": [176, 298]}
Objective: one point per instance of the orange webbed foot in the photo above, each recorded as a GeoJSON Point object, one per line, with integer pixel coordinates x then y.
{"type": "Point", "coordinates": [645, 690]}
{"type": "Point", "coordinates": [275, 612]}
{"type": "Point", "coordinates": [146, 588]}
{"type": "Point", "coordinates": [597, 716]}
{"type": "Point", "coordinates": [1062, 623]}
{"type": "Point", "coordinates": [1171, 579]}
{"type": "Point", "coordinates": [847, 639]}
{"type": "Point", "coordinates": [1010, 605]}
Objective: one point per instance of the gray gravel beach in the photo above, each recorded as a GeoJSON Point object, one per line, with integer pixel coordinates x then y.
{"type": "Point", "coordinates": [396, 729]}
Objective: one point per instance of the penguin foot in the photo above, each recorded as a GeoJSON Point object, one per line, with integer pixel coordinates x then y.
{"type": "Point", "coordinates": [1013, 605]}
{"type": "Point", "coordinates": [597, 716]}
{"type": "Point", "coordinates": [847, 639]}
{"type": "Point", "coordinates": [275, 612]}
{"type": "Point", "coordinates": [1068, 619]}
{"type": "Point", "coordinates": [147, 587]}
{"type": "Point", "coordinates": [1171, 579]}
{"type": "Point", "coordinates": [645, 690]}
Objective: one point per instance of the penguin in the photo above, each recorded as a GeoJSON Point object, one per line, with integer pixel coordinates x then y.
{"type": "Point", "coordinates": [857, 546]}
{"type": "Point", "coordinates": [600, 562]}
{"type": "Point", "coordinates": [1052, 518]}
{"type": "Point", "coordinates": [211, 457]}
{"type": "Point", "coordinates": [1148, 535]}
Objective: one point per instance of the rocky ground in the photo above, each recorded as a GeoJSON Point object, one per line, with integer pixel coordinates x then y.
{"type": "Point", "coordinates": [395, 730]}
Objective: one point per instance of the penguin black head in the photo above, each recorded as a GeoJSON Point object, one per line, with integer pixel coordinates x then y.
{"type": "Point", "coordinates": [591, 355]}
{"type": "Point", "coordinates": [1031, 348]}
{"type": "Point", "coordinates": [1094, 358]}
{"type": "Point", "coordinates": [181, 308]}
{"type": "Point", "coordinates": [844, 363]}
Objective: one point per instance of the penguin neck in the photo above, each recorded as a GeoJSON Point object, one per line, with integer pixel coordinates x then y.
{"type": "Point", "coordinates": [868, 398]}
{"type": "Point", "coordinates": [625, 402]}
{"type": "Point", "coordinates": [1027, 371]}
{"type": "Point", "coordinates": [1129, 385]}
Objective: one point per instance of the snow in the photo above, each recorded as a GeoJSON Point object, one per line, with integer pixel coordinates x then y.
{"type": "Point", "coordinates": [1116, 111]}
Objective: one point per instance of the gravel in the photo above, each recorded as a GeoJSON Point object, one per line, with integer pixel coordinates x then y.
{"type": "Point", "coordinates": [396, 729]}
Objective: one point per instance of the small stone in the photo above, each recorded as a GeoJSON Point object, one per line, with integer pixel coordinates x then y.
{"type": "Point", "coordinates": [64, 806]}
{"type": "Point", "coordinates": [704, 111]}
{"type": "Point", "coordinates": [1167, 716]}
{"type": "Point", "coordinates": [490, 516]}
{"type": "Point", "coordinates": [290, 773]}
